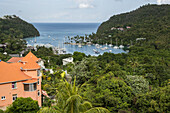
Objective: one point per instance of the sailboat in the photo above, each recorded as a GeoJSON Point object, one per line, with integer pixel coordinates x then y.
{"type": "Point", "coordinates": [89, 44]}
{"type": "Point", "coordinates": [35, 40]}
{"type": "Point", "coordinates": [80, 46]}
{"type": "Point", "coordinates": [96, 51]}
{"type": "Point", "coordinates": [64, 49]}
{"type": "Point", "coordinates": [121, 46]}
{"type": "Point", "coordinates": [116, 47]}
{"type": "Point", "coordinates": [110, 44]}
{"type": "Point", "coordinates": [106, 46]}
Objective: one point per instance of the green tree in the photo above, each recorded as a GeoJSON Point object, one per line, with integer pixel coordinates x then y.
{"type": "Point", "coordinates": [110, 92]}
{"type": "Point", "coordinates": [156, 101]}
{"type": "Point", "coordinates": [48, 110]}
{"type": "Point", "coordinates": [70, 101]}
{"type": "Point", "coordinates": [78, 56]}
{"type": "Point", "coordinates": [85, 69]}
{"type": "Point", "coordinates": [23, 105]}
{"type": "Point", "coordinates": [138, 84]}
{"type": "Point", "coordinates": [1, 111]}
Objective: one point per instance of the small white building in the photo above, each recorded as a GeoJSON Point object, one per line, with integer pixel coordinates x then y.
{"type": "Point", "coordinates": [41, 63]}
{"type": "Point", "coordinates": [67, 60]}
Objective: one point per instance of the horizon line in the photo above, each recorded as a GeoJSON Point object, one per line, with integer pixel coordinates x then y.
{"type": "Point", "coordinates": [67, 22]}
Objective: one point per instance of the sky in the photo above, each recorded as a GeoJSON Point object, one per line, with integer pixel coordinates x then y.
{"type": "Point", "coordinates": [70, 11]}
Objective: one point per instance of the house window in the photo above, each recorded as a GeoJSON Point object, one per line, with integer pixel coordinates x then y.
{"type": "Point", "coordinates": [38, 73]}
{"type": "Point", "coordinates": [38, 81]}
{"type": "Point", "coordinates": [35, 86]}
{"type": "Point", "coordinates": [26, 87]}
{"type": "Point", "coordinates": [30, 87]}
{"type": "Point", "coordinates": [14, 85]}
{"type": "Point", "coordinates": [3, 98]}
{"type": "Point", "coordinates": [14, 97]}
{"type": "Point", "coordinates": [38, 93]}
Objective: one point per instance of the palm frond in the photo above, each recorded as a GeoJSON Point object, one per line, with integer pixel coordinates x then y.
{"type": "Point", "coordinates": [73, 98]}
{"type": "Point", "coordinates": [97, 110]}
{"type": "Point", "coordinates": [85, 106]}
{"type": "Point", "coordinates": [48, 110]}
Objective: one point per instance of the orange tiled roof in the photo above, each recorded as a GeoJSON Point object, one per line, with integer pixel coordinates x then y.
{"type": "Point", "coordinates": [18, 65]}
{"type": "Point", "coordinates": [30, 81]}
{"type": "Point", "coordinates": [30, 56]}
{"type": "Point", "coordinates": [10, 73]}
{"type": "Point", "coordinates": [30, 65]}
{"type": "Point", "coordinates": [15, 59]}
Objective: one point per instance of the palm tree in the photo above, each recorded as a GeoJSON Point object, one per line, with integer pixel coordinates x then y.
{"type": "Point", "coordinates": [70, 101]}
{"type": "Point", "coordinates": [48, 110]}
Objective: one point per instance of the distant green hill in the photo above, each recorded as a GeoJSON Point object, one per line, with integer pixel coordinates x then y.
{"type": "Point", "coordinates": [12, 31]}
{"type": "Point", "coordinates": [150, 21]}
{"type": "Point", "coordinates": [13, 26]}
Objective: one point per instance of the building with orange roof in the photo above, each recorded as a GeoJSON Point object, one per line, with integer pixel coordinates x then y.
{"type": "Point", "coordinates": [15, 59]}
{"type": "Point", "coordinates": [30, 56]}
{"type": "Point", "coordinates": [20, 77]}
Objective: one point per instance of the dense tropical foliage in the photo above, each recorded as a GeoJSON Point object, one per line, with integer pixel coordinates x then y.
{"type": "Point", "coordinates": [12, 31]}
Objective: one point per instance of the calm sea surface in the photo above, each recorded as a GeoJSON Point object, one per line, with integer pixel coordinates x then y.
{"type": "Point", "coordinates": [54, 34]}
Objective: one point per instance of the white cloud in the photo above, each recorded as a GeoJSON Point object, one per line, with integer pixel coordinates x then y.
{"type": "Point", "coordinates": [85, 5]}
{"type": "Point", "coordinates": [163, 1]}
{"type": "Point", "coordinates": [84, 1]}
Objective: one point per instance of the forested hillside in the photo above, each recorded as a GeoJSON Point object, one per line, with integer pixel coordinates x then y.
{"type": "Point", "coordinates": [151, 22]}
{"type": "Point", "coordinates": [15, 27]}
{"type": "Point", "coordinates": [12, 31]}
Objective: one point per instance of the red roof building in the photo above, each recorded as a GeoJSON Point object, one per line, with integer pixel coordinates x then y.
{"type": "Point", "coordinates": [20, 77]}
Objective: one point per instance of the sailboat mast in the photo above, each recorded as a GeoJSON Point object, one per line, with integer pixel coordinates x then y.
{"type": "Point", "coordinates": [116, 41]}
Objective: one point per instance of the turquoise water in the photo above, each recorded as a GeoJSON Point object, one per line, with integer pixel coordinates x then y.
{"type": "Point", "coordinates": [54, 34]}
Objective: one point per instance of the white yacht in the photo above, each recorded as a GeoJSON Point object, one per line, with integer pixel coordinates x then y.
{"type": "Point", "coordinates": [80, 46]}
{"type": "Point", "coordinates": [102, 48]}
{"type": "Point", "coordinates": [116, 47]}
{"type": "Point", "coordinates": [110, 44]}
{"type": "Point", "coordinates": [121, 46]}
{"type": "Point", "coordinates": [97, 52]}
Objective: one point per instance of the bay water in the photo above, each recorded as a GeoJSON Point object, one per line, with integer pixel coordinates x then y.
{"type": "Point", "coordinates": [55, 33]}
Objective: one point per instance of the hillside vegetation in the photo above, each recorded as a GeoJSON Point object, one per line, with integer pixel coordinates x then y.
{"type": "Point", "coordinates": [150, 21]}
{"type": "Point", "coordinates": [12, 31]}
{"type": "Point", "coordinates": [13, 26]}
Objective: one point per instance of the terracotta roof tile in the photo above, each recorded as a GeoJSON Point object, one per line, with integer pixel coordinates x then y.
{"type": "Point", "coordinates": [30, 56]}
{"type": "Point", "coordinates": [30, 81]}
{"type": "Point", "coordinates": [18, 65]}
{"type": "Point", "coordinates": [15, 59]}
{"type": "Point", "coordinates": [11, 73]}
{"type": "Point", "coordinates": [30, 65]}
